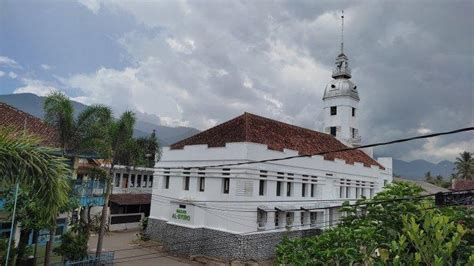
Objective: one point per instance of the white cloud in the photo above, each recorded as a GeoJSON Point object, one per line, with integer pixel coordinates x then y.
{"type": "Point", "coordinates": [199, 65]}
{"type": "Point", "coordinates": [92, 5]}
{"type": "Point", "coordinates": [45, 66]}
{"type": "Point", "coordinates": [6, 61]}
{"type": "Point", "coordinates": [186, 46]}
{"type": "Point", "coordinates": [423, 130]}
{"type": "Point", "coordinates": [12, 75]}
{"type": "Point", "coordinates": [2, 74]}
{"type": "Point", "coordinates": [435, 151]}
{"type": "Point", "coordinates": [37, 87]}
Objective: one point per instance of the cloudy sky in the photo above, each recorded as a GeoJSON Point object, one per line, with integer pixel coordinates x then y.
{"type": "Point", "coordinates": [199, 63]}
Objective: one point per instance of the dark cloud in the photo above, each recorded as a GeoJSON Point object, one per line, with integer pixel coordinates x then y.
{"type": "Point", "coordinates": [202, 62]}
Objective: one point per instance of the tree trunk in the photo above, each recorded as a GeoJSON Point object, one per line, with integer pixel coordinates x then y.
{"type": "Point", "coordinates": [35, 240]}
{"type": "Point", "coordinates": [21, 250]}
{"type": "Point", "coordinates": [105, 211]}
{"type": "Point", "coordinates": [49, 245]}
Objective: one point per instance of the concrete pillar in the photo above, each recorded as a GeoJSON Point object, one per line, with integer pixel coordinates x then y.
{"type": "Point", "coordinates": [297, 221]}
{"type": "Point", "coordinates": [306, 219]}
{"type": "Point", "coordinates": [270, 224]}
{"type": "Point", "coordinates": [282, 219]}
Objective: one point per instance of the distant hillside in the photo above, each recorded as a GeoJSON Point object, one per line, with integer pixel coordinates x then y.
{"type": "Point", "coordinates": [416, 169]}
{"type": "Point", "coordinates": [33, 104]}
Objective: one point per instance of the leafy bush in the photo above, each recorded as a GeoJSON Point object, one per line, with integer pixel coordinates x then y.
{"type": "Point", "coordinates": [73, 246]}
{"type": "Point", "coordinates": [386, 230]}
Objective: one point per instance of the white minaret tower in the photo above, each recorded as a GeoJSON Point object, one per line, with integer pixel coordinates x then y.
{"type": "Point", "coordinates": [341, 101]}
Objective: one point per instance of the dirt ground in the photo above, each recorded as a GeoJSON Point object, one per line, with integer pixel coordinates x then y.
{"type": "Point", "coordinates": [128, 252]}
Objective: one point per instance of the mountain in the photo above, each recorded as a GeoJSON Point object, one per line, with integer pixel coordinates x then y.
{"type": "Point", "coordinates": [416, 169]}
{"type": "Point", "coordinates": [33, 104]}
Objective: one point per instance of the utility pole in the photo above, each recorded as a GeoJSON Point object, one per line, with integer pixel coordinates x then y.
{"type": "Point", "coordinates": [12, 228]}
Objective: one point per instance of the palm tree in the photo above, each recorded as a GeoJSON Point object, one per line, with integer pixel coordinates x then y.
{"type": "Point", "coordinates": [120, 138]}
{"type": "Point", "coordinates": [464, 166]}
{"type": "Point", "coordinates": [82, 134]}
{"type": "Point", "coordinates": [24, 162]}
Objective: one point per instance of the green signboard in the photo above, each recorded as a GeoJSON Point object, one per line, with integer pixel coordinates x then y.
{"type": "Point", "coordinates": [181, 215]}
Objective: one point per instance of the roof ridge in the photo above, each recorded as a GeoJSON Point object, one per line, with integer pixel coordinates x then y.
{"type": "Point", "coordinates": [287, 124]}
{"type": "Point", "coordinates": [23, 112]}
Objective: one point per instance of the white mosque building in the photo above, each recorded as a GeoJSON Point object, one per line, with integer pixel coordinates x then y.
{"type": "Point", "coordinates": [241, 212]}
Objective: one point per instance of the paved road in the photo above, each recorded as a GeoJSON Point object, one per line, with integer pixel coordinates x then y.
{"type": "Point", "coordinates": [134, 255]}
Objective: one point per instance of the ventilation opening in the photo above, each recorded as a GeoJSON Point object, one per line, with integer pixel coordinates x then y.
{"type": "Point", "coordinates": [334, 86]}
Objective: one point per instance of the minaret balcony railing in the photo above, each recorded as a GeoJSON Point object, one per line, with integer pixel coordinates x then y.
{"type": "Point", "coordinates": [340, 72]}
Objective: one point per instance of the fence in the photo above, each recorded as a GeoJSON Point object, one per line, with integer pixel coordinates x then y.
{"type": "Point", "coordinates": [105, 259]}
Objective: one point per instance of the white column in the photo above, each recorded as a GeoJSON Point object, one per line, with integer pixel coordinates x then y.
{"type": "Point", "coordinates": [270, 224]}
{"type": "Point", "coordinates": [297, 221]}
{"type": "Point", "coordinates": [282, 219]}
{"type": "Point", "coordinates": [306, 219]}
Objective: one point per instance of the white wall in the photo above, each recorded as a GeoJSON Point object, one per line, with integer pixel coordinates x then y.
{"type": "Point", "coordinates": [244, 185]}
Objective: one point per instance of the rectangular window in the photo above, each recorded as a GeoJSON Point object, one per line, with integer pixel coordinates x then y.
{"type": "Point", "coordinates": [348, 192]}
{"type": "Point", "coordinates": [261, 218]}
{"type": "Point", "coordinates": [139, 180]}
{"type": "Point", "coordinates": [167, 178]}
{"type": "Point", "coordinates": [145, 180]}
{"type": "Point", "coordinates": [362, 192]}
{"type": "Point", "coordinates": [353, 111]}
{"type": "Point", "coordinates": [303, 190]}
{"type": "Point", "coordinates": [226, 185]}
{"type": "Point", "coordinates": [132, 181]}
{"type": "Point", "coordinates": [353, 132]}
{"type": "Point", "coordinates": [186, 183]}
{"type": "Point", "coordinates": [302, 218]}
{"type": "Point", "coordinates": [277, 219]}
{"type": "Point", "coordinates": [333, 110]}
{"type": "Point", "coordinates": [313, 192]}
{"type": "Point", "coordinates": [371, 193]}
{"type": "Point", "coordinates": [341, 192]}
{"type": "Point", "coordinates": [117, 179]}
{"type": "Point", "coordinates": [313, 218]}
{"type": "Point", "coordinates": [261, 188]}
{"type": "Point", "coordinates": [333, 131]}
{"type": "Point", "coordinates": [202, 183]}
{"type": "Point", "coordinates": [150, 181]}
{"type": "Point", "coordinates": [357, 193]}
{"type": "Point", "coordinates": [278, 191]}
{"type": "Point", "coordinates": [288, 189]}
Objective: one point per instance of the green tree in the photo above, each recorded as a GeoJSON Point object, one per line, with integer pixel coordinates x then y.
{"type": "Point", "coordinates": [143, 151]}
{"type": "Point", "coordinates": [24, 161]}
{"type": "Point", "coordinates": [81, 134]}
{"type": "Point", "coordinates": [119, 140]}
{"type": "Point", "coordinates": [428, 177]}
{"type": "Point", "coordinates": [464, 166]}
{"type": "Point", "coordinates": [73, 246]}
{"type": "Point", "coordinates": [429, 239]}
{"type": "Point", "coordinates": [371, 226]}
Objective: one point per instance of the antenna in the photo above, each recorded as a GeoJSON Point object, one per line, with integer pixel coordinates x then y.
{"type": "Point", "coordinates": [342, 32]}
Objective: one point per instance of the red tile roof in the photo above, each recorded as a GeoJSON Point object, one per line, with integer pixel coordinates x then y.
{"type": "Point", "coordinates": [462, 184]}
{"type": "Point", "coordinates": [17, 120]}
{"type": "Point", "coordinates": [130, 199]}
{"type": "Point", "coordinates": [277, 136]}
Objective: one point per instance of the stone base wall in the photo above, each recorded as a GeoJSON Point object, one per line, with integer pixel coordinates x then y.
{"type": "Point", "coordinates": [223, 245]}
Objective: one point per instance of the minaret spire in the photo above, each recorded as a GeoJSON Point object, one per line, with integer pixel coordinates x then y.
{"type": "Point", "coordinates": [342, 32]}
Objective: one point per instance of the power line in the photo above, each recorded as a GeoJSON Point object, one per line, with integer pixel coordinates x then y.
{"type": "Point", "coordinates": [326, 152]}
{"type": "Point", "coordinates": [332, 221]}
{"type": "Point", "coordinates": [144, 256]}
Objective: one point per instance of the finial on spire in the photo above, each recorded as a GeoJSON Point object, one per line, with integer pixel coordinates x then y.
{"type": "Point", "coordinates": [342, 32]}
